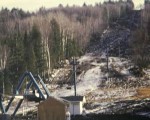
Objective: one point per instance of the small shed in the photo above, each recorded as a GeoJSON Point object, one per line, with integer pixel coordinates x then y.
{"type": "Point", "coordinates": [75, 104]}
{"type": "Point", "coordinates": [52, 109]}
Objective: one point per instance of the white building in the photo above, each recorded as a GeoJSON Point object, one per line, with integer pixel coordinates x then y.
{"type": "Point", "coordinates": [75, 104]}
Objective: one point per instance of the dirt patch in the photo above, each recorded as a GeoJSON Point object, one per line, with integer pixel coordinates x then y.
{"type": "Point", "coordinates": [143, 93]}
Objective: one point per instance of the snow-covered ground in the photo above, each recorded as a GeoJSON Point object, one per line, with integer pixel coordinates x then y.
{"type": "Point", "coordinates": [89, 81]}
{"type": "Point", "coordinates": [92, 82]}
{"type": "Point", "coordinates": [101, 99]}
{"type": "Point", "coordinates": [104, 92]}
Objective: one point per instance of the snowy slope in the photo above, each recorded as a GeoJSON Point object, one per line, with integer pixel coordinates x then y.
{"type": "Point", "coordinates": [107, 98]}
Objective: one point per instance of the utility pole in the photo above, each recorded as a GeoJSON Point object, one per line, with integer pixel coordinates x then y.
{"type": "Point", "coordinates": [107, 59]}
{"type": "Point", "coordinates": [3, 87]}
{"type": "Point", "coordinates": [107, 62]}
{"type": "Point", "coordinates": [119, 47]}
{"type": "Point", "coordinates": [74, 63]}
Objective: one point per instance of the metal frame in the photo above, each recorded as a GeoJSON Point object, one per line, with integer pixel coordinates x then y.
{"type": "Point", "coordinates": [33, 81]}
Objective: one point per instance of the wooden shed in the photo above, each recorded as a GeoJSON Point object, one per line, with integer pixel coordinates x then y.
{"type": "Point", "coordinates": [52, 109]}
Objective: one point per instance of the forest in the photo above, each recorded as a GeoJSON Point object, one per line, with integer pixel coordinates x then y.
{"type": "Point", "coordinates": [140, 40]}
{"type": "Point", "coordinates": [42, 41]}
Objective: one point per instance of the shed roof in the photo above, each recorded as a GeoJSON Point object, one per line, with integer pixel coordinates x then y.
{"type": "Point", "coordinates": [53, 98]}
{"type": "Point", "coordinates": [73, 98]}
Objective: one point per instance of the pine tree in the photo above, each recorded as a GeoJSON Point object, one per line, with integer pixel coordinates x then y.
{"type": "Point", "coordinates": [29, 55]}
{"type": "Point", "coordinates": [56, 43]}
{"type": "Point", "coordinates": [38, 50]}
{"type": "Point", "coordinates": [148, 26]}
{"type": "Point", "coordinates": [16, 64]}
{"type": "Point", "coordinates": [71, 48]}
{"type": "Point", "coordinates": [140, 45]}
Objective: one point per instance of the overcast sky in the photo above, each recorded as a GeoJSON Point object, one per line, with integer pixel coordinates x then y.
{"type": "Point", "coordinates": [33, 5]}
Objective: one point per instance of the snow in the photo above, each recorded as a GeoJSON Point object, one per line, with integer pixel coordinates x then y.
{"type": "Point", "coordinates": [86, 58]}
{"type": "Point", "coordinates": [86, 82]}
{"type": "Point", "coordinates": [125, 72]}
{"type": "Point", "coordinates": [102, 100]}
{"type": "Point", "coordinates": [89, 80]}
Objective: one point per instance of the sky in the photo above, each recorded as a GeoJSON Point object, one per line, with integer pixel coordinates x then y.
{"type": "Point", "coordinates": [34, 5]}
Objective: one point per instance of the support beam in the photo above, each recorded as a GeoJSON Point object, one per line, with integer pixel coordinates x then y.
{"type": "Point", "coordinates": [36, 85]}
{"type": "Point", "coordinates": [2, 107]}
{"type": "Point", "coordinates": [29, 84]}
{"type": "Point", "coordinates": [33, 82]}
{"type": "Point", "coordinates": [21, 80]}
{"type": "Point", "coordinates": [9, 103]}
{"type": "Point", "coordinates": [45, 88]}
{"type": "Point", "coordinates": [19, 104]}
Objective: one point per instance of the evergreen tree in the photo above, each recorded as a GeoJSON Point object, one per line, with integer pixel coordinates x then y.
{"type": "Point", "coordinates": [16, 65]}
{"type": "Point", "coordinates": [148, 26]}
{"type": "Point", "coordinates": [38, 50]}
{"type": "Point", "coordinates": [72, 48]}
{"type": "Point", "coordinates": [29, 55]}
{"type": "Point", "coordinates": [56, 43]}
{"type": "Point", "coordinates": [140, 45]}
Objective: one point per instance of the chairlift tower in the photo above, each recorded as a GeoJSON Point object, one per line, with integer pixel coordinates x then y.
{"type": "Point", "coordinates": [3, 88]}
{"type": "Point", "coordinates": [74, 63]}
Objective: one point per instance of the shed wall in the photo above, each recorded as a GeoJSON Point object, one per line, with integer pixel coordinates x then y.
{"type": "Point", "coordinates": [75, 108]}
{"type": "Point", "coordinates": [51, 109]}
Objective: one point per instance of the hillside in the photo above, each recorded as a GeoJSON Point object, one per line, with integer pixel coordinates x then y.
{"type": "Point", "coordinates": [112, 51]}
{"type": "Point", "coordinates": [117, 90]}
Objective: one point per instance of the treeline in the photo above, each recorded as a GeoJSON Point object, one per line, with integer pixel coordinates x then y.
{"type": "Point", "coordinates": [141, 41]}
{"type": "Point", "coordinates": [39, 42]}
